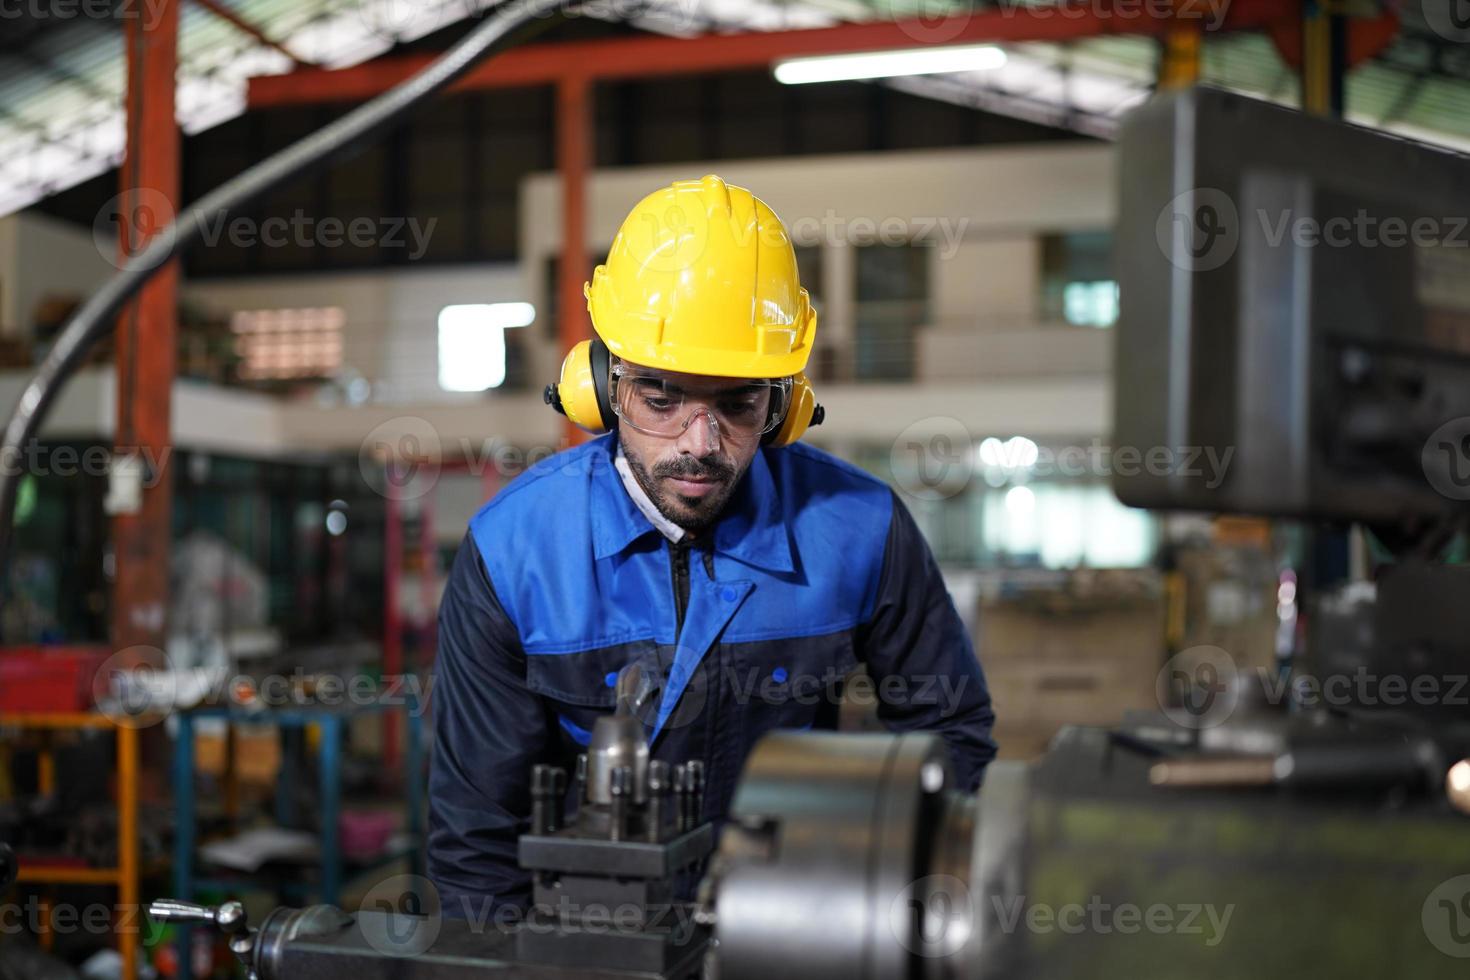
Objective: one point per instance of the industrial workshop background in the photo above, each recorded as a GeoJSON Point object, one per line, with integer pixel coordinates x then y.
{"type": "Point", "coordinates": [218, 604]}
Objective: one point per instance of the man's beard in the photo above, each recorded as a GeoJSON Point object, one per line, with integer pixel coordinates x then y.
{"type": "Point", "coordinates": [693, 514]}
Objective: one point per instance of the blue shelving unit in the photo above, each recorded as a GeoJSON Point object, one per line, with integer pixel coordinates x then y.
{"type": "Point", "coordinates": [332, 723]}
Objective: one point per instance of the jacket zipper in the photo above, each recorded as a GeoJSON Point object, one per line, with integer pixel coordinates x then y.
{"type": "Point", "coordinates": [679, 563]}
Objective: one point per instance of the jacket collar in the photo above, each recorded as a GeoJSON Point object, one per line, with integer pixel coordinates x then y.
{"type": "Point", "coordinates": [751, 531]}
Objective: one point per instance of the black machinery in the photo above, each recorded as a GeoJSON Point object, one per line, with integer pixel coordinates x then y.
{"type": "Point", "coordinates": [1234, 834]}
{"type": "Point", "coordinates": [846, 857]}
{"type": "Point", "coordinates": [604, 886]}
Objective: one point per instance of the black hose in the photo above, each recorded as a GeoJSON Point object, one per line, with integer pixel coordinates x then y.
{"type": "Point", "coordinates": [98, 314]}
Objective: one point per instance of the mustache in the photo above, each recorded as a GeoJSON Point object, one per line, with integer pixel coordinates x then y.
{"type": "Point", "coordinates": [687, 467]}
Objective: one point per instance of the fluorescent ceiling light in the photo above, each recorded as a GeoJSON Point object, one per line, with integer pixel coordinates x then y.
{"type": "Point", "coordinates": [886, 64]}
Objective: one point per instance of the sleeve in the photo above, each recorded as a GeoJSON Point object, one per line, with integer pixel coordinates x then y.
{"type": "Point", "coordinates": [920, 658]}
{"type": "Point", "coordinates": [489, 730]}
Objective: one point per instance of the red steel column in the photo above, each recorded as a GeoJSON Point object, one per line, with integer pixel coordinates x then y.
{"type": "Point", "coordinates": [392, 615]}
{"type": "Point", "coordinates": [147, 328]}
{"type": "Point", "coordinates": [573, 160]}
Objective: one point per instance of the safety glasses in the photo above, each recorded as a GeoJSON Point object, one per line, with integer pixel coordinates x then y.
{"type": "Point", "coordinates": [658, 406]}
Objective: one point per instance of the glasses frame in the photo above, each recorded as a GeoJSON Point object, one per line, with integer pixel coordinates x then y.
{"type": "Point", "coordinates": [620, 372]}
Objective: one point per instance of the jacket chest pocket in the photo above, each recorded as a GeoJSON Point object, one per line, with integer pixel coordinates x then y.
{"type": "Point", "coordinates": [791, 683]}
{"type": "Point", "coordinates": [580, 687]}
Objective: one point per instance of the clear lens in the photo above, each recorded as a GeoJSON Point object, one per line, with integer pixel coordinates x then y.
{"type": "Point", "coordinates": [662, 407]}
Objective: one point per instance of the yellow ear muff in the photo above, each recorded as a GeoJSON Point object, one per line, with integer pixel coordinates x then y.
{"type": "Point", "coordinates": [581, 393]}
{"type": "Point", "coordinates": [803, 413]}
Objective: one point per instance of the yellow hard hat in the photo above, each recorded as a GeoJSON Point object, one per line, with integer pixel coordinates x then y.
{"type": "Point", "coordinates": [702, 279]}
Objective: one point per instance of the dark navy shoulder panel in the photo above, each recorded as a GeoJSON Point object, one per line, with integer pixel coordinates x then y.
{"type": "Point", "coordinates": [542, 535]}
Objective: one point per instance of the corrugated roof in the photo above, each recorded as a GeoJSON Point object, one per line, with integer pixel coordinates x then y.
{"type": "Point", "coordinates": [61, 93]}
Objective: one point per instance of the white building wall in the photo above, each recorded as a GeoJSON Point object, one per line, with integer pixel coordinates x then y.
{"type": "Point", "coordinates": [985, 359]}
{"type": "Point", "coordinates": [41, 258]}
{"type": "Point", "coordinates": [391, 333]}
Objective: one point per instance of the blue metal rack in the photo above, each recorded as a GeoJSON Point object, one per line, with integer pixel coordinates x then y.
{"type": "Point", "coordinates": [332, 723]}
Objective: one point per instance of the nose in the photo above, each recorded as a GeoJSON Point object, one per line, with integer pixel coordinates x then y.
{"type": "Point", "coordinates": [701, 435]}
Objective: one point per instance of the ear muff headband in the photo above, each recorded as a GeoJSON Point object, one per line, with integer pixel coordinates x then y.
{"type": "Point", "coordinates": [601, 359]}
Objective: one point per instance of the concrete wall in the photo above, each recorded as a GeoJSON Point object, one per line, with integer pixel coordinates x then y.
{"type": "Point", "coordinates": [41, 257]}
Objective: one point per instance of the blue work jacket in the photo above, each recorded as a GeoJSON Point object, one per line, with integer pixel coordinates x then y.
{"type": "Point", "coordinates": [814, 568]}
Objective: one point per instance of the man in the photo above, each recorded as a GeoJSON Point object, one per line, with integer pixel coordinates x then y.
{"type": "Point", "coordinates": [744, 575]}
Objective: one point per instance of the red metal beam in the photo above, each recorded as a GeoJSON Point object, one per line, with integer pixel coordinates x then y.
{"type": "Point", "coordinates": [145, 354]}
{"type": "Point", "coordinates": [392, 612]}
{"type": "Point", "coordinates": [573, 160]}
{"type": "Point", "coordinates": [651, 56]}
{"type": "Point", "coordinates": [146, 331]}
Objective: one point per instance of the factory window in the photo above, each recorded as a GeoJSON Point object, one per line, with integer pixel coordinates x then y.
{"type": "Point", "coordinates": [1077, 284]}
{"type": "Point", "coordinates": [809, 271]}
{"type": "Point", "coordinates": [1064, 525]}
{"type": "Point", "coordinates": [1013, 509]}
{"type": "Point", "coordinates": [892, 303]}
{"type": "Point", "coordinates": [1090, 304]}
{"type": "Point", "coordinates": [276, 345]}
{"type": "Point", "coordinates": [472, 346]}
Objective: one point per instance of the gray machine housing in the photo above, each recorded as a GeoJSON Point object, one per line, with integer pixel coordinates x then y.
{"type": "Point", "coordinates": [1302, 317]}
